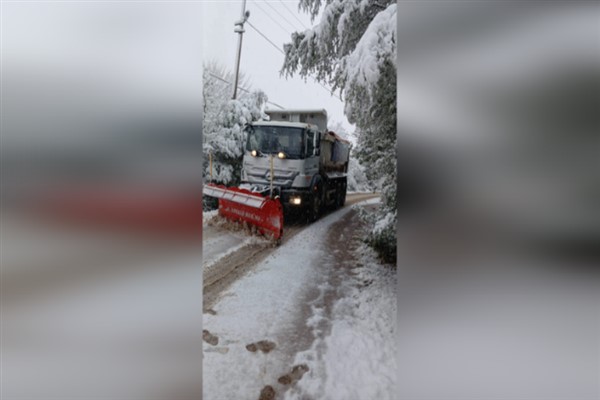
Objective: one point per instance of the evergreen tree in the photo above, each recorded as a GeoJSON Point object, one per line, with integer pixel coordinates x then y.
{"type": "Point", "coordinates": [353, 49]}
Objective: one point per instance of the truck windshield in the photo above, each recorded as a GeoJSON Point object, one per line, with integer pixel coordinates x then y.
{"type": "Point", "coordinates": [273, 139]}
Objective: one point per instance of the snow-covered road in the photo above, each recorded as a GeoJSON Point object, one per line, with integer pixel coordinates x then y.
{"type": "Point", "coordinates": [295, 326]}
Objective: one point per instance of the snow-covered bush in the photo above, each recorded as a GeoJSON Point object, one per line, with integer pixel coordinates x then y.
{"type": "Point", "coordinates": [357, 178]}
{"type": "Point", "coordinates": [223, 125]}
{"type": "Point", "coordinates": [353, 49]}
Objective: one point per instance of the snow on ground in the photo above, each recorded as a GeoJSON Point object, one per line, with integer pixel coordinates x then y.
{"type": "Point", "coordinates": [218, 243]}
{"type": "Point", "coordinates": [374, 200]}
{"type": "Point", "coordinates": [262, 306]}
{"type": "Point", "coordinates": [217, 247]}
{"type": "Point", "coordinates": [208, 215]}
{"type": "Point", "coordinates": [354, 361]}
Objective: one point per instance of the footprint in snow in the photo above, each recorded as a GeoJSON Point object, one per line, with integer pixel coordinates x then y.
{"type": "Point", "coordinates": [264, 345]}
{"type": "Point", "coordinates": [295, 375]}
{"type": "Point", "coordinates": [210, 338]}
{"type": "Point", "coordinates": [267, 393]}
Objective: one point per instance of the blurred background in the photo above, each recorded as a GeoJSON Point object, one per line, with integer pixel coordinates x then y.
{"type": "Point", "coordinates": [499, 200]}
{"type": "Point", "coordinates": [101, 160]}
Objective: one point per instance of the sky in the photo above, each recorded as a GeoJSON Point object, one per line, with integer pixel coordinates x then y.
{"type": "Point", "coordinates": [260, 60]}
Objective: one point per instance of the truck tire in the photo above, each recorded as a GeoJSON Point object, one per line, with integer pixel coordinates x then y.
{"type": "Point", "coordinates": [341, 195]}
{"type": "Point", "coordinates": [315, 206]}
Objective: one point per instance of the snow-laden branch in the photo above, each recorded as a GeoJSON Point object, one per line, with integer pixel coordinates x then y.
{"type": "Point", "coordinates": [377, 45]}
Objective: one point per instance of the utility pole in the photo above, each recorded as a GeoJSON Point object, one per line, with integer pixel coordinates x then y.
{"type": "Point", "coordinates": [239, 29]}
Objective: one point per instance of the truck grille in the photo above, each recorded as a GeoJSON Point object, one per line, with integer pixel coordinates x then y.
{"type": "Point", "coordinates": [263, 176]}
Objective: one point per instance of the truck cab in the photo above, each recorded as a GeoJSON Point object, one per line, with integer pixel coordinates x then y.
{"type": "Point", "coordinates": [294, 157]}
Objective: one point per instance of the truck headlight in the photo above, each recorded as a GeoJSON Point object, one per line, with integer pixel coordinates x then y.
{"type": "Point", "coordinates": [254, 153]}
{"type": "Point", "coordinates": [296, 200]}
{"type": "Point", "coordinates": [281, 155]}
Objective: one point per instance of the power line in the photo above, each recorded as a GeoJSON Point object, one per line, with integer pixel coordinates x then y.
{"type": "Point", "coordinates": [280, 14]}
{"type": "Point", "coordinates": [328, 90]}
{"type": "Point", "coordinates": [281, 51]}
{"type": "Point", "coordinates": [294, 15]}
{"type": "Point", "coordinates": [271, 17]}
{"type": "Point", "coordinates": [276, 105]}
{"type": "Point", "coordinates": [226, 81]}
{"type": "Point", "coordinates": [239, 87]}
{"type": "Point", "coordinates": [265, 37]}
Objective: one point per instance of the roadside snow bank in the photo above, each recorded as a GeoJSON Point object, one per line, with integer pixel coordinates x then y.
{"type": "Point", "coordinates": [221, 238]}
{"type": "Point", "coordinates": [374, 200]}
{"type": "Point", "coordinates": [360, 358]}
{"type": "Point", "coordinates": [208, 215]}
{"type": "Point", "coordinates": [216, 244]}
{"type": "Point", "coordinates": [217, 250]}
{"type": "Point", "coordinates": [356, 360]}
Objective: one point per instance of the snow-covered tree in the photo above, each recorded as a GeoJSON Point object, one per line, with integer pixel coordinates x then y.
{"type": "Point", "coordinates": [357, 178]}
{"type": "Point", "coordinates": [223, 125]}
{"type": "Point", "coordinates": [353, 49]}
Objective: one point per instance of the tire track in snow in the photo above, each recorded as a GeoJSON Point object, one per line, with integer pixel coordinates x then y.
{"type": "Point", "coordinates": [236, 264]}
{"type": "Point", "coordinates": [267, 306]}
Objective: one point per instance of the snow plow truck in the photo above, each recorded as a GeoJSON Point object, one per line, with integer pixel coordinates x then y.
{"type": "Point", "coordinates": [292, 164]}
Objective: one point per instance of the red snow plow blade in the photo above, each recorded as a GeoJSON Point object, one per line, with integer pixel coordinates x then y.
{"type": "Point", "coordinates": [243, 205]}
